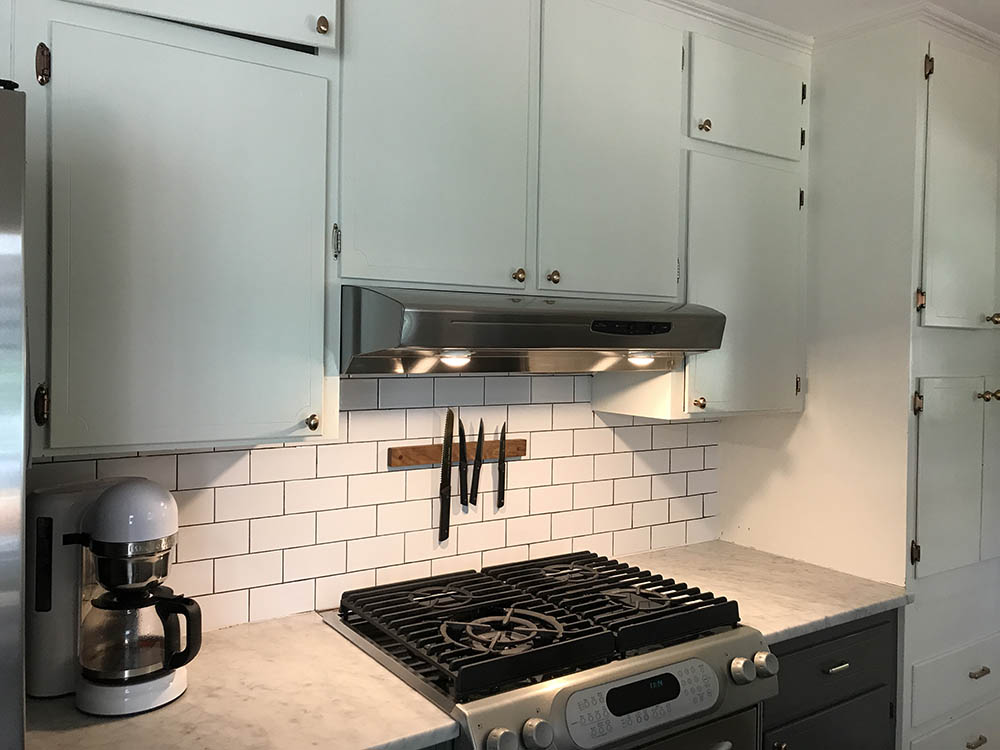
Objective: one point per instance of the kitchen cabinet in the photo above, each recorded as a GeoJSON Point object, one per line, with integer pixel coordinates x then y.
{"type": "Point", "coordinates": [837, 688]}
{"type": "Point", "coordinates": [609, 183]}
{"type": "Point", "coordinates": [188, 229]}
{"type": "Point", "coordinates": [436, 112]}
{"type": "Point", "coordinates": [973, 730]}
{"type": "Point", "coordinates": [729, 85]}
{"type": "Point", "coordinates": [989, 545]}
{"type": "Point", "coordinates": [962, 676]}
{"type": "Point", "coordinates": [960, 194]}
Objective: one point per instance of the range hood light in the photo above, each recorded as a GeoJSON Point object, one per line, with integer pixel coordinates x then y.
{"type": "Point", "coordinates": [640, 359]}
{"type": "Point", "coordinates": [456, 359]}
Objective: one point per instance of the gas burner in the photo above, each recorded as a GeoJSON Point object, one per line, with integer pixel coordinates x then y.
{"type": "Point", "coordinates": [569, 573]}
{"type": "Point", "coordinates": [440, 596]}
{"type": "Point", "coordinates": [638, 598]}
{"type": "Point", "coordinates": [514, 631]}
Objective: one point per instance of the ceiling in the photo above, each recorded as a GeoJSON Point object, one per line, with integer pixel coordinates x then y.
{"type": "Point", "coordinates": [816, 17]}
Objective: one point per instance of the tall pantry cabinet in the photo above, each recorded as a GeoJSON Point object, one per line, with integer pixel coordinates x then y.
{"type": "Point", "coordinates": [891, 471]}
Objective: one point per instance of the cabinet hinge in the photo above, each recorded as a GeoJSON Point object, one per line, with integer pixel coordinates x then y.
{"type": "Point", "coordinates": [892, 710]}
{"type": "Point", "coordinates": [928, 65]}
{"type": "Point", "coordinates": [336, 241]}
{"type": "Point", "coordinates": [41, 405]}
{"type": "Point", "coordinates": [43, 63]}
{"type": "Point", "coordinates": [802, 198]}
{"type": "Point", "coordinates": [918, 402]}
{"type": "Point", "coordinates": [683, 57]}
{"type": "Point", "coordinates": [798, 385]}
{"type": "Point", "coordinates": [678, 270]}
{"type": "Point", "coordinates": [914, 552]}
{"type": "Point", "coordinates": [803, 92]}
{"type": "Point", "coordinates": [920, 299]}
{"type": "Point", "coordinates": [802, 138]}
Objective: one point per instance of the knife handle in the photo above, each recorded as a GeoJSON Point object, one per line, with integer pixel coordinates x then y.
{"type": "Point", "coordinates": [445, 518]}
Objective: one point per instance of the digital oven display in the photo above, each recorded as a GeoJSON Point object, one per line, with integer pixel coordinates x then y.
{"type": "Point", "coordinates": [644, 693]}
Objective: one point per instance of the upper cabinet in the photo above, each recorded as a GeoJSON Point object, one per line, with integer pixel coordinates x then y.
{"type": "Point", "coordinates": [609, 151]}
{"type": "Point", "coordinates": [743, 99]}
{"type": "Point", "coordinates": [436, 114]}
{"type": "Point", "coordinates": [960, 193]}
{"type": "Point", "coordinates": [188, 207]}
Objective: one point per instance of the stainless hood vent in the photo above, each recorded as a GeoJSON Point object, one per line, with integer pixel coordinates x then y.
{"type": "Point", "coordinates": [409, 331]}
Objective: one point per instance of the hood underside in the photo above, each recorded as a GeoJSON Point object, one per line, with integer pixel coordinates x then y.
{"type": "Point", "coordinates": [409, 331]}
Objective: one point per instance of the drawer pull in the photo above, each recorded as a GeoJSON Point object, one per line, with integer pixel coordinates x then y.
{"type": "Point", "coordinates": [979, 674]}
{"type": "Point", "coordinates": [978, 742]}
{"type": "Point", "coordinates": [842, 667]}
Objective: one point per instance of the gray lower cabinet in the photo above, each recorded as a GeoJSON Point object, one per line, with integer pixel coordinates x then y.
{"type": "Point", "coordinates": [837, 689]}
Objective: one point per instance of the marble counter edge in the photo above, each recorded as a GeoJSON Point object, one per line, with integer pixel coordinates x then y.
{"type": "Point", "coordinates": [840, 618]}
{"type": "Point", "coordinates": [421, 740]}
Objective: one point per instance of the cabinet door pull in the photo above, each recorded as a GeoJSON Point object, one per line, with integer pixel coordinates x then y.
{"type": "Point", "coordinates": [554, 277]}
{"type": "Point", "coordinates": [979, 673]}
{"type": "Point", "coordinates": [842, 667]}
{"type": "Point", "coordinates": [705, 125]}
{"type": "Point", "coordinates": [519, 275]}
{"type": "Point", "coordinates": [985, 395]}
{"type": "Point", "coordinates": [994, 319]}
{"type": "Point", "coordinates": [978, 742]}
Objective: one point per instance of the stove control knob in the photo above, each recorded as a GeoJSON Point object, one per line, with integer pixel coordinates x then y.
{"type": "Point", "coordinates": [742, 670]}
{"type": "Point", "coordinates": [537, 734]}
{"type": "Point", "coordinates": [501, 739]}
{"type": "Point", "coordinates": [766, 664]}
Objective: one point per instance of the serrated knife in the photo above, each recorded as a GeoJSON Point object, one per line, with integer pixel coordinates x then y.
{"type": "Point", "coordinates": [445, 495]}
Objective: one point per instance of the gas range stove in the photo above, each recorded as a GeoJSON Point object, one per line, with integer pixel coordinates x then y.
{"type": "Point", "coordinates": [573, 651]}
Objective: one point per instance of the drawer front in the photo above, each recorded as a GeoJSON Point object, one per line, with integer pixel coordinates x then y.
{"type": "Point", "coordinates": [970, 673]}
{"type": "Point", "coordinates": [861, 723]}
{"type": "Point", "coordinates": [829, 673]}
{"type": "Point", "coordinates": [979, 729]}
{"type": "Point", "coordinates": [743, 99]}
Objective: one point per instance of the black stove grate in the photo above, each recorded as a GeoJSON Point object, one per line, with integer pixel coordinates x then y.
{"type": "Point", "coordinates": [642, 609]}
{"type": "Point", "coordinates": [470, 634]}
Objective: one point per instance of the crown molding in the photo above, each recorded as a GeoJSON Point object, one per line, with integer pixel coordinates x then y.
{"type": "Point", "coordinates": [918, 11]}
{"type": "Point", "coordinates": [742, 22]}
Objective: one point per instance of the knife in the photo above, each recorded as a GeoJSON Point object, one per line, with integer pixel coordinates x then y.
{"type": "Point", "coordinates": [449, 425]}
{"type": "Point", "coordinates": [463, 465]}
{"type": "Point", "coordinates": [477, 465]}
{"type": "Point", "coordinates": [502, 465]}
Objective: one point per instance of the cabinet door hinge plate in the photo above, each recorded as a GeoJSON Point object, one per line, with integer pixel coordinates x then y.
{"type": "Point", "coordinates": [41, 405]}
{"type": "Point", "coordinates": [804, 92]}
{"type": "Point", "coordinates": [928, 66]}
{"type": "Point", "coordinates": [336, 241]}
{"type": "Point", "coordinates": [802, 198]}
{"type": "Point", "coordinates": [918, 402]}
{"type": "Point", "coordinates": [798, 384]}
{"type": "Point", "coordinates": [920, 299]}
{"type": "Point", "coordinates": [802, 138]}
{"type": "Point", "coordinates": [43, 63]}
{"type": "Point", "coordinates": [914, 552]}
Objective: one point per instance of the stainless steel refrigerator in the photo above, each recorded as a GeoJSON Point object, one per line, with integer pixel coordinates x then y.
{"type": "Point", "coordinates": [13, 422]}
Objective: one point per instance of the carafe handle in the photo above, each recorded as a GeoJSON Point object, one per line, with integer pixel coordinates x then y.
{"type": "Point", "coordinates": [181, 605]}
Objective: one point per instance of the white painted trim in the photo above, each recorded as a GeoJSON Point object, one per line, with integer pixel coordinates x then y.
{"type": "Point", "coordinates": [742, 22]}
{"type": "Point", "coordinates": [918, 11]}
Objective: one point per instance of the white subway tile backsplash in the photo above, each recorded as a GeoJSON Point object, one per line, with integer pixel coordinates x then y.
{"type": "Point", "coordinates": [249, 501]}
{"type": "Point", "coordinates": [315, 494]}
{"type": "Point", "coordinates": [160, 469]}
{"type": "Point", "coordinates": [551, 389]}
{"type": "Point", "coordinates": [274, 530]}
{"type": "Point", "coordinates": [396, 393]}
{"type": "Point", "coordinates": [197, 470]}
{"type": "Point", "coordinates": [281, 600]}
{"type": "Point", "coordinates": [282, 532]}
{"type": "Point", "coordinates": [347, 523]}
{"type": "Point", "coordinates": [247, 571]}
{"type": "Point", "coordinates": [315, 561]}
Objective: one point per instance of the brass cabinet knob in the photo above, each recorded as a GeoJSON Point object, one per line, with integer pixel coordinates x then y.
{"type": "Point", "coordinates": [554, 277]}
{"type": "Point", "coordinates": [519, 275]}
{"type": "Point", "coordinates": [985, 395]}
{"type": "Point", "coordinates": [701, 403]}
{"type": "Point", "coordinates": [994, 319]}
{"type": "Point", "coordinates": [322, 24]}
{"type": "Point", "coordinates": [312, 422]}
{"type": "Point", "coordinates": [705, 125]}
{"type": "Point", "coordinates": [996, 394]}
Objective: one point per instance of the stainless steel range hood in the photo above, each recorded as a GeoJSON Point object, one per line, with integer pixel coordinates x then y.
{"type": "Point", "coordinates": [399, 331]}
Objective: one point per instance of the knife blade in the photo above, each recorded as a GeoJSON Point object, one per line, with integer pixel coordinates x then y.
{"type": "Point", "coordinates": [445, 494]}
{"type": "Point", "coordinates": [463, 465]}
{"type": "Point", "coordinates": [477, 466]}
{"type": "Point", "coordinates": [502, 465]}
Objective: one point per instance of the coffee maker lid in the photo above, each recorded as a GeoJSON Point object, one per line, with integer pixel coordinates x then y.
{"type": "Point", "coordinates": [133, 510]}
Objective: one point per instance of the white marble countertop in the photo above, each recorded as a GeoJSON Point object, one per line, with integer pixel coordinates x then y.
{"type": "Point", "coordinates": [295, 682]}
{"type": "Point", "coordinates": [781, 597]}
{"type": "Point", "coordinates": [282, 684]}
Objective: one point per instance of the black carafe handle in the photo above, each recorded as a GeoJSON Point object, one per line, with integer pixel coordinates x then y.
{"type": "Point", "coordinates": [168, 608]}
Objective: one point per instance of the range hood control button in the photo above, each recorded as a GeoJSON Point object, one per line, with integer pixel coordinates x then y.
{"type": "Point", "coordinates": [501, 739]}
{"type": "Point", "coordinates": [537, 734]}
{"type": "Point", "coordinates": [742, 670]}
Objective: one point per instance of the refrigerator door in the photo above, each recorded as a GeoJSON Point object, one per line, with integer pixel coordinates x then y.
{"type": "Point", "coordinates": [13, 423]}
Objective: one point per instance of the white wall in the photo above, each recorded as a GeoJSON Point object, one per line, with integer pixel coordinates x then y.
{"type": "Point", "coordinates": [6, 38]}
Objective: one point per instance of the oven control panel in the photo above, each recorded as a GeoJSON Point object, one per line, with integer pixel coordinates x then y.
{"type": "Point", "coordinates": [602, 714]}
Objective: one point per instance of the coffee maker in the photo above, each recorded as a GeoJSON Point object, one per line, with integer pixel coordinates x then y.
{"type": "Point", "coordinates": [99, 621]}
